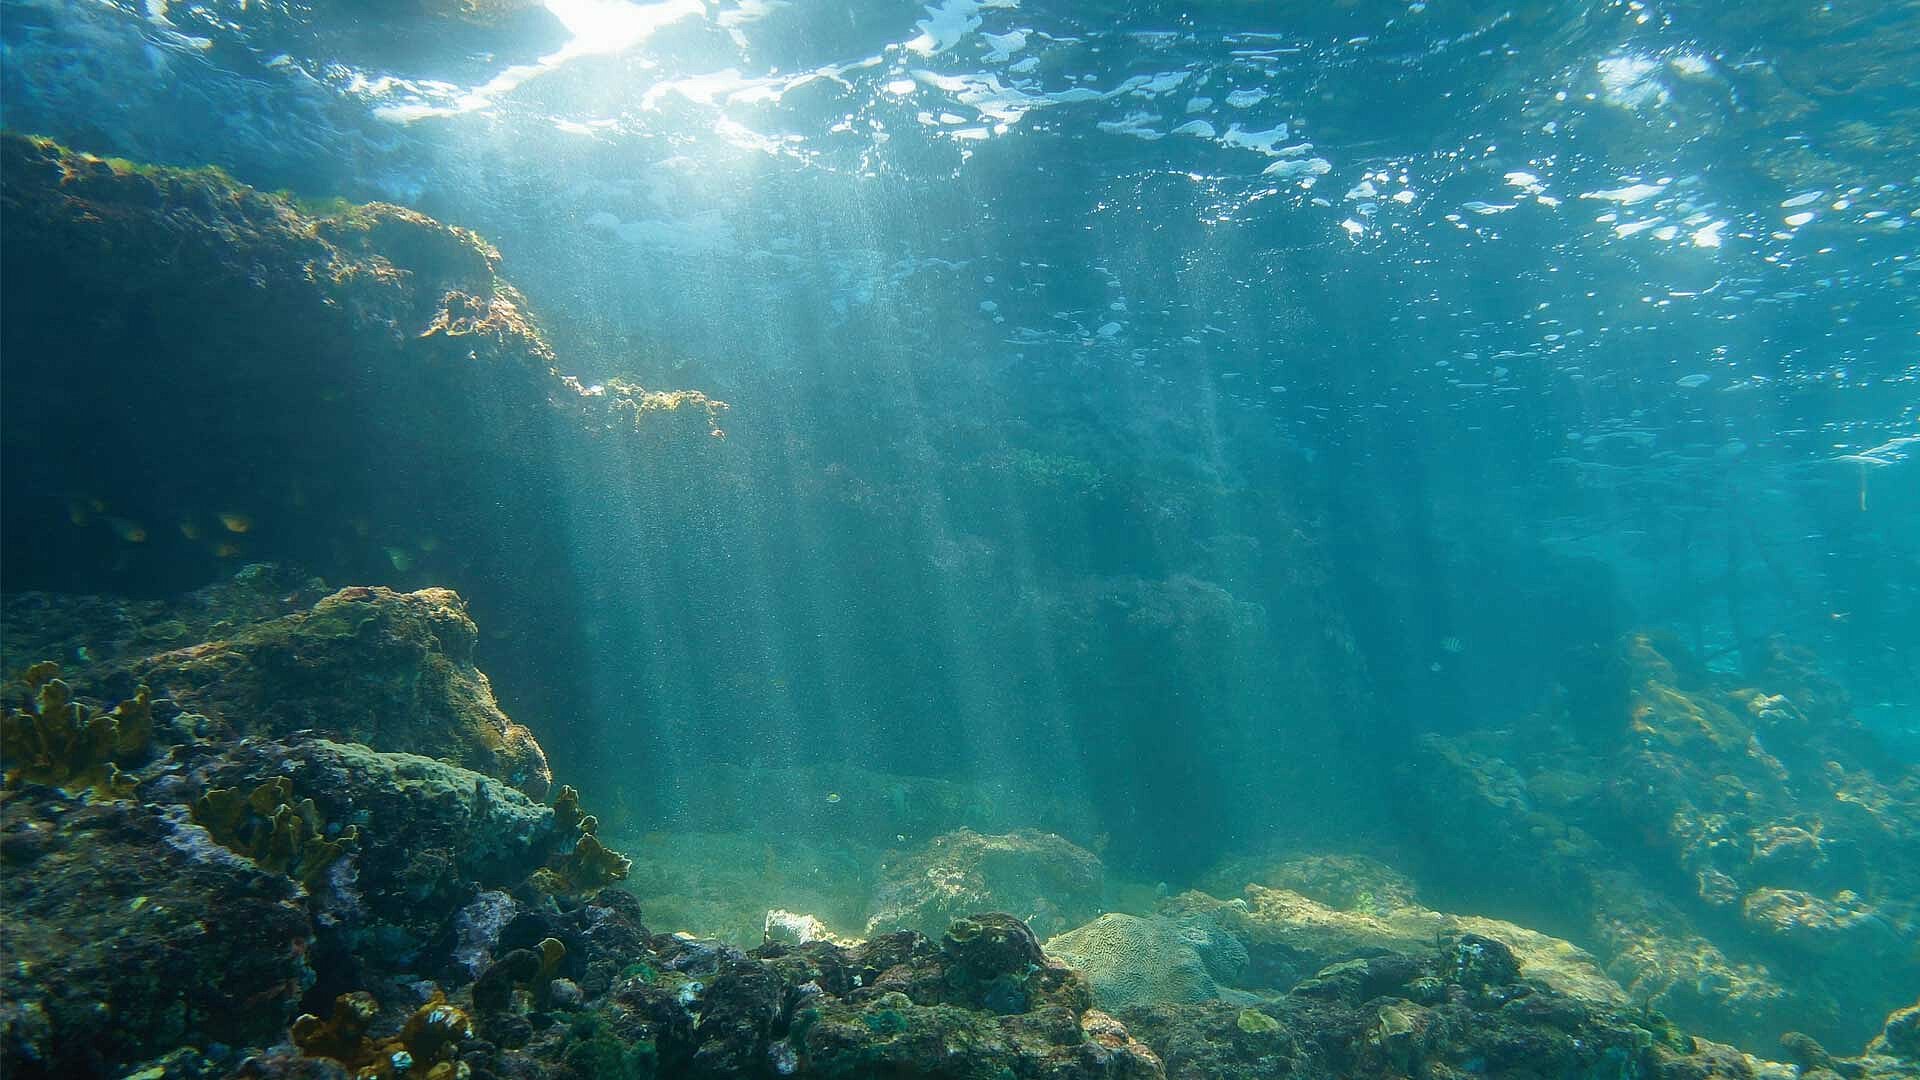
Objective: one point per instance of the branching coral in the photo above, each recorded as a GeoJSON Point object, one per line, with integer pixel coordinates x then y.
{"type": "Point", "coordinates": [267, 826]}
{"type": "Point", "coordinates": [57, 740]}
{"type": "Point", "coordinates": [427, 1046]}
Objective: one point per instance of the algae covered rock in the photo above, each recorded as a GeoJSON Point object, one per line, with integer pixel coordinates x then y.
{"type": "Point", "coordinates": [1042, 877]}
{"type": "Point", "coordinates": [1709, 833]}
{"type": "Point", "coordinates": [360, 394]}
{"type": "Point", "coordinates": [1198, 948]}
{"type": "Point", "coordinates": [426, 834]}
{"type": "Point", "coordinates": [129, 932]}
{"type": "Point", "coordinates": [1451, 1008]}
{"type": "Point", "coordinates": [1289, 936]}
{"type": "Point", "coordinates": [1343, 881]}
{"type": "Point", "coordinates": [369, 665]}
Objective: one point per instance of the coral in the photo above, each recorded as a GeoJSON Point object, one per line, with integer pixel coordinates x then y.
{"type": "Point", "coordinates": [1049, 881]}
{"type": "Point", "coordinates": [54, 739]}
{"type": "Point", "coordinates": [587, 865]}
{"type": "Point", "coordinates": [426, 1047]}
{"type": "Point", "coordinates": [342, 1036]}
{"type": "Point", "coordinates": [267, 826]}
{"type": "Point", "coordinates": [1131, 960]}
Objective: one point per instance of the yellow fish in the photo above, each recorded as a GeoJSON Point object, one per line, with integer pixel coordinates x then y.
{"type": "Point", "coordinates": [236, 522]}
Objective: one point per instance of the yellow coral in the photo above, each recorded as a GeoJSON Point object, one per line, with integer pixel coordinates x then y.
{"type": "Point", "coordinates": [267, 826]}
{"type": "Point", "coordinates": [427, 1046]}
{"type": "Point", "coordinates": [590, 865]}
{"type": "Point", "coordinates": [59, 741]}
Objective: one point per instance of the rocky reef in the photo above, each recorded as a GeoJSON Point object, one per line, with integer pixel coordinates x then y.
{"type": "Point", "coordinates": [1737, 849]}
{"type": "Point", "coordinates": [265, 887]}
{"type": "Point", "coordinates": [202, 375]}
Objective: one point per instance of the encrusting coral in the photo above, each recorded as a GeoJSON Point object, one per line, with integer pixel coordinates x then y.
{"type": "Point", "coordinates": [267, 826]}
{"type": "Point", "coordinates": [56, 740]}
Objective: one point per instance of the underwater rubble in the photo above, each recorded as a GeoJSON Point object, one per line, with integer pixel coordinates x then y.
{"type": "Point", "coordinates": [240, 897]}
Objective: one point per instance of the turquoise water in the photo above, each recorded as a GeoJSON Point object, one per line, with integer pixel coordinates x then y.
{"type": "Point", "coordinates": [1173, 427]}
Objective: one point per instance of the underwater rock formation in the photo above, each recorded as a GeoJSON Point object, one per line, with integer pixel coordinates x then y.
{"type": "Point", "coordinates": [128, 931]}
{"type": "Point", "coordinates": [170, 878]}
{"type": "Point", "coordinates": [91, 634]}
{"type": "Point", "coordinates": [1196, 947]}
{"type": "Point", "coordinates": [268, 898]}
{"type": "Point", "coordinates": [1708, 834]}
{"type": "Point", "coordinates": [391, 670]}
{"type": "Point", "coordinates": [135, 903]}
{"type": "Point", "coordinates": [358, 393]}
{"type": "Point", "coordinates": [1052, 883]}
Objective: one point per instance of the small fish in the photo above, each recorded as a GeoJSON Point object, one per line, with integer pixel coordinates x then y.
{"type": "Point", "coordinates": [400, 558]}
{"type": "Point", "coordinates": [130, 531]}
{"type": "Point", "coordinates": [1452, 645]}
{"type": "Point", "coordinates": [235, 522]}
{"type": "Point", "coordinates": [226, 549]}
{"type": "Point", "coordinates": [190, 530]}
{"type": "Point", "coordinates": [833, 796]}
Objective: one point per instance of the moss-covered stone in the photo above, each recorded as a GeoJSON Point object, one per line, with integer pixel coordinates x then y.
{"type": "Point", "coordinates": [370, 665]}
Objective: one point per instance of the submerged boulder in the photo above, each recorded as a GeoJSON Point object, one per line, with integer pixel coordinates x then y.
{"type": "Point", "coordinates": [369, 665]}
{"type": "Point", "coordinates": [1044, 878]}
{"type": "Point", "coordinates": [1289, 937]}
{"type": "Point", "coordinates": [1198, 948]}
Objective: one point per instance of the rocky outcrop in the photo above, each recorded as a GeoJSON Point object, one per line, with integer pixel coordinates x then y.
{"type": "Point", "coordinates": [1713, 837]}
{"type": "Point", "coordinates": [368, 665]}
{"type": "Point", "coordinates": [200, 374]}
